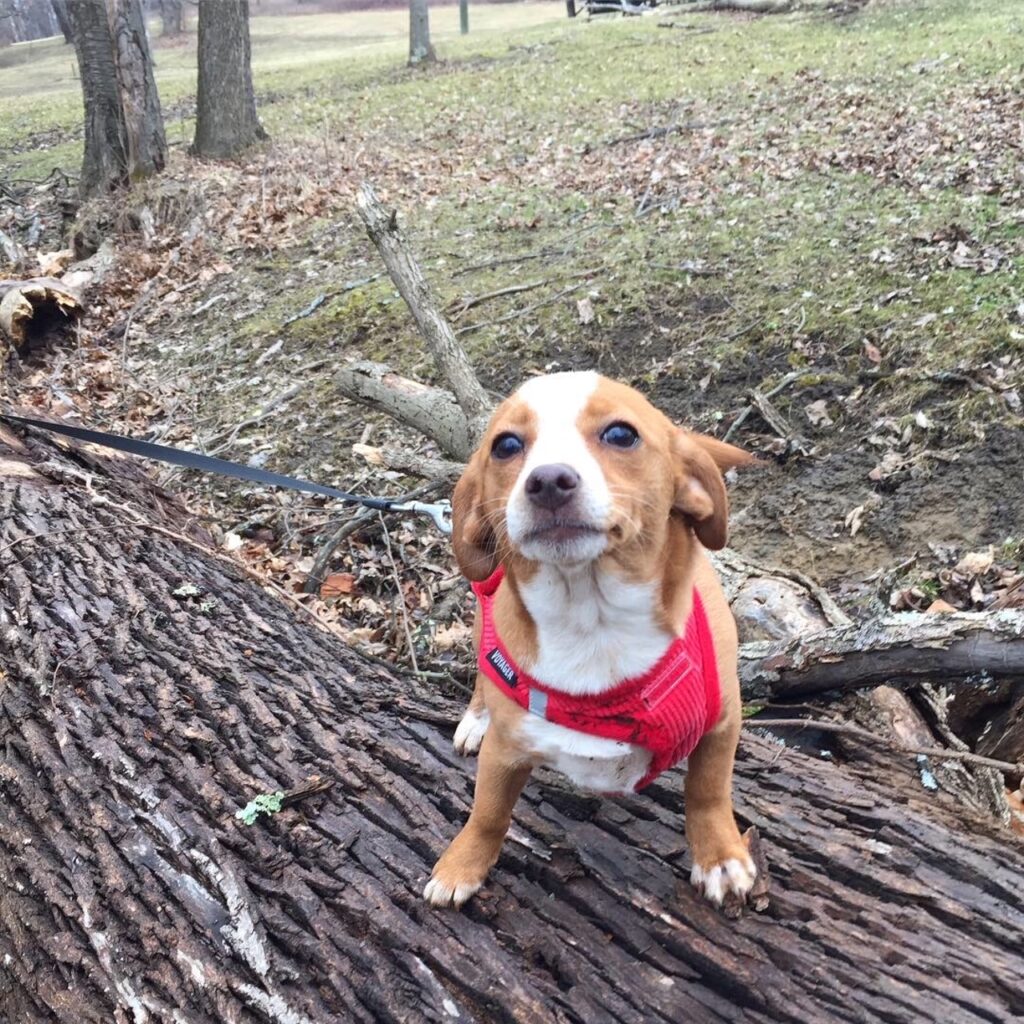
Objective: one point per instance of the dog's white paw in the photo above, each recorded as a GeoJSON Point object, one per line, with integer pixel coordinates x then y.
{"type": "Point", "coordinates": [733, 876]}
{"type": "Point", "coordinates": [441, 894]}
{"type": "Point", "coordinates": [470, 732]}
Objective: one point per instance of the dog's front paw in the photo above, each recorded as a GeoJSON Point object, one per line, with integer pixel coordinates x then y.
{"type": "Point", "coordinates": [470, 732]}
{"type": "Point", "coordinates": [454, 879]}
{"type": "Point", "coordinates": [441, 893]}
{"type": "Point", "coordinates": [729, 878]}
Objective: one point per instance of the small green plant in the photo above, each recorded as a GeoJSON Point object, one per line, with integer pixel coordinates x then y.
{"type": "Point", "coordinates": [265, 803]}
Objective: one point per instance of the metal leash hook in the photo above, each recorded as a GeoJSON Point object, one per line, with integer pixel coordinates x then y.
{"type": "Point", "coordinates": [439, 511]}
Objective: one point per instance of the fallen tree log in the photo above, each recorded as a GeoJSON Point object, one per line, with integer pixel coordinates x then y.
{"type": "Point", "coordinates": [904, 648]}
{"type": "Point", "coordinates": [30, 309]}
{"type": "Point", "coordinates": [149, 690]}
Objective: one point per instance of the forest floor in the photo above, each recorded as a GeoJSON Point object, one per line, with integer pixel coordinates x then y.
{"type": "Point", "coordinates": [700, 204]}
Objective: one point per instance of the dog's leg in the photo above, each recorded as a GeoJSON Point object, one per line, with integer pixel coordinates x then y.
{"type": "Point", "coordinates": [470, 732]}
{"type": "Point", "coordinates": [721, 862]}
{"type": "Point", "coordinates": [464, 865]}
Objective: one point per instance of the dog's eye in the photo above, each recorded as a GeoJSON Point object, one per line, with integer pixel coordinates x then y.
{"type": "Point", "coordinates": [506, 446]}
{"type": "Point", "coordinates": [620, 435]}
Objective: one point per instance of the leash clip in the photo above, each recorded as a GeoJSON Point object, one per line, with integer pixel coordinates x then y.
{"type": "Point", "coordinates": [439, 511]}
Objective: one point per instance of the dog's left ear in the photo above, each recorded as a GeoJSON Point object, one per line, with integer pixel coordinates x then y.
{"type": "Point", "coordinates": [472, 537]}
{"type": "Point", "coordinates": [700, 490]}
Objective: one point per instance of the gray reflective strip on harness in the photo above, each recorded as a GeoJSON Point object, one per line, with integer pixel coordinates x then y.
{"type": "Point", "coordinates": [539, 703]}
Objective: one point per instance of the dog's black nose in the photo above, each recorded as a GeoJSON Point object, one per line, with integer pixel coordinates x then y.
{"type": "Point", "coordinates": [552, 486]}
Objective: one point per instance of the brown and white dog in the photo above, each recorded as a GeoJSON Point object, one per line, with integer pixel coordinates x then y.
{"type": "Point", "coordinates": [597, 508]}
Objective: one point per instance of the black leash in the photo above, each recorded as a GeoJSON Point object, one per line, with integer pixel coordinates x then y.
{"type": "Point", "coordinates": [439, 511]}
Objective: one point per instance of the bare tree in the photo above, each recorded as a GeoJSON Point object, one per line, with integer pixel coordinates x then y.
{"type": "Point", "coordinates": [172, 17]}
{"type": "Point", "coordinates": [420, 49]}
{"type": "Point", "coordinates": [226, 119]}
{"type": "Point", "coordinates": [24, 20]}
{"type": "Point", "coordinates": [124, 129]}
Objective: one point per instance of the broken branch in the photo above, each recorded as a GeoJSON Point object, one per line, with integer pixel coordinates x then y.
{"type": "Point", "coordinates": [433, 411]}
{"type": "Point", "coordinates": [450, 357]}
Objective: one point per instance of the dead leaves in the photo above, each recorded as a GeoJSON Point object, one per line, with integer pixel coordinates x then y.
{"type": "Point", "coordinates": [337, 584]}
{"type": "Point", "coordinates": [976, 581]}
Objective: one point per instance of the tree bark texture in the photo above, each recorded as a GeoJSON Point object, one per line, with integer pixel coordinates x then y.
{"type": "Point", "coordinates": [226, 118]}
{"type": "Point", "coordinates": [60, 14]}
{"type": "Point", "coordinates": [147, 146]}
{"type": "Point", "coordinates": [124, 133]}
{"type": "Point", "coordinates": [105, 162]}
{"type": "Point", "coordinates": [149, 689]}
{"type": "Point", "coordinates": [420, 48]}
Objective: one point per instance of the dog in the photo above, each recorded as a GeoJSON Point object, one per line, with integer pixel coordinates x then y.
{"type": "Point", "coordinates": [606, 648]}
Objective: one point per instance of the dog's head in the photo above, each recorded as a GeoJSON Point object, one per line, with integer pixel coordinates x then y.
{"type": "Point", "coordinates": [574, 467]}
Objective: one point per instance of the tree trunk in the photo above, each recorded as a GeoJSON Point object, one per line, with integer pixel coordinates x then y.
{"type": "Point", "coordinates": [124, 133]}
{"type": "Point", "coordinates": [60, 13]}
{"type": "Point", "coordinates": [226, 119]}
{"type": "Point", "coordinates": [172, 14]}
{"type": "Point", "coordinates": [148, 690]}
{"type": "Point", "coordinates": [420, 49]}
{"type": "Point", "coordinates": [147, 147]}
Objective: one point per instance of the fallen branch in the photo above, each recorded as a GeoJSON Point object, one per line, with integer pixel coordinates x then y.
{"type": "Point", "coordinates": [778, 423]}
{"type": "Point", "coordinates": [742, 417]}
{"type": "Point", "coordinates": [449, 355]}
{"type": "Point", "coordinates": [433, 411]}
{"type": "Point", "coordinates": [906, 648]}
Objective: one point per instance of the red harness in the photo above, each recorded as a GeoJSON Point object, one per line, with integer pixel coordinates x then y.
{"type": "Point", "coordinates": [666, 710]}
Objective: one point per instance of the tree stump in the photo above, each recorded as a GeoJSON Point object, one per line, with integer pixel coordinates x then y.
{"type": "Point", "coordinates": [149, 689]}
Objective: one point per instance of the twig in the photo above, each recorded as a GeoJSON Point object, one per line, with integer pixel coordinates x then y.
{"type": "Point", "coordinates": [349, 286]}
{"type": "Point", "coordinates": [519, 312]}
{"type": "Point", "coordinates": [777, 422]}
{"type": "Point", "coordinates": [274, 403]}
{"type": "Point", "coordinates": [472, 301]}
{"type": "Point", "coordinates": [315, 579]}
{"type": "Point", "coordinates": [742, 418]}
{"type": "Point", "coordinates": [399, 595]}
{"type": "Point", "coordinates": [308, 311]}
{"type": "Point", "coordinates": [514, 289]}
{"type": "Point", "coordinates": [844, 729]}
{"type": "Point", "coordinates": [668, 129]}
{"type": "Point", "coordinates": [505, 260]}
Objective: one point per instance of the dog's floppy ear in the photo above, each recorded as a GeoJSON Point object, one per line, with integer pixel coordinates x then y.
{"type": "Point", "coordinates": [725, 456]}
{"type": "Point", "coordinates": [472, 537]}
{"type": "Point", "coordinates": [700, 496]}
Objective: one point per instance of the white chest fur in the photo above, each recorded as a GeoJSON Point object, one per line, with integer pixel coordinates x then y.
{"type": "Point", "coordinates": [593, 631]}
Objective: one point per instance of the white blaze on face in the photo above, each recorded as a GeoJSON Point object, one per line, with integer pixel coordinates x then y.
{"type": "Point", "coordinates": [557, 401]}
